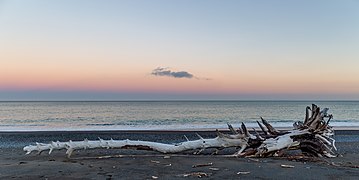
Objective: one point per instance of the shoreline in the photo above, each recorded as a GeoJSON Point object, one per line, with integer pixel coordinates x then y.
{"type": "Point", "coordinates": [336, 128]}
{"type": "Point", "coordinates": [139, 164]}
{"type": "Point", "coordinates": [21, 139]}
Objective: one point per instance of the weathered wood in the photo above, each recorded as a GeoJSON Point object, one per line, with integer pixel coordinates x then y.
{"type": "Point", "coordinates": [270, 128]}
{"type": "Point", "coordinates": [230, 127]}
{"type": "Point", "coordinates": [262, 128]}
{"type": "Point", "coordinates": [313, 136]}
{"type": "Point", "coordinates": [307, 109]}
{"type": "Point", "coordinates": [245, 130]}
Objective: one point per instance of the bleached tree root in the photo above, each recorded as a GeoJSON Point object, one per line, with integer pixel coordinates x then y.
{"type": "Point", "coordinates": [218, 142]}
{"type": "Point", "coordinates": [313, 137]}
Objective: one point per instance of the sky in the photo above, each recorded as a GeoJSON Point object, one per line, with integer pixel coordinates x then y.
{"type": "Point", "coordinates": [179, 50]}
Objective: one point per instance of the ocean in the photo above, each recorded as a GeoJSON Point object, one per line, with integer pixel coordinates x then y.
{"type": "Point", "coordinates": [163, 115]}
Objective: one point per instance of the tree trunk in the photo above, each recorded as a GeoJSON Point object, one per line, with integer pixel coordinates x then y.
{"type": "Point", "coordinates": [313, 137]}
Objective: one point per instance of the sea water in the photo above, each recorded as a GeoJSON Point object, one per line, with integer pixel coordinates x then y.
{"type": "Point", "coordinates": [163, 115]}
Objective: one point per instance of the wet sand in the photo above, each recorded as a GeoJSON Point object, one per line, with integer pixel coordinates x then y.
{"type": "Point", "coordinates": [131, 164]}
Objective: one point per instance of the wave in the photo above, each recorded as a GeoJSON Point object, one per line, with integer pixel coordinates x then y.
{"type": "Point", "coordinates": [159, 127]}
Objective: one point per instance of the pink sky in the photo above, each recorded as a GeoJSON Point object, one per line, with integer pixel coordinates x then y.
{"type": "Point", "coordinates": [114, 48]}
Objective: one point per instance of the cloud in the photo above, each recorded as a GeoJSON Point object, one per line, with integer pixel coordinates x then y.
{"type": "Point", "coordinates": [165, 71]}
{"type": "Point", "coordinates": [160, 71]}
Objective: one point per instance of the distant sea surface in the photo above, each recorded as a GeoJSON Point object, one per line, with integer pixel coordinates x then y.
{"type": "Point", "coordinates": [163, 115]}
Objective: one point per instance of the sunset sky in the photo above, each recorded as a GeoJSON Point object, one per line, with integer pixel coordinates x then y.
{"type": "Point", "coordinates": [179, 50]}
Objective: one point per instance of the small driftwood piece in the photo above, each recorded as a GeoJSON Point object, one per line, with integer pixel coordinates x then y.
{"type": "Point", "coordinates": [313, 137]}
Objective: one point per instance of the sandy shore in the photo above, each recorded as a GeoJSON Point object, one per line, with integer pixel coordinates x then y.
{"type": "Point", "coordinates": [130, 164]}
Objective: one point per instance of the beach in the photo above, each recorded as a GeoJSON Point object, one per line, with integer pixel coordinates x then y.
{"type": "Point", "coordinates": [138, 164]}
{"type": "Point", "coordinates": [179, 89]}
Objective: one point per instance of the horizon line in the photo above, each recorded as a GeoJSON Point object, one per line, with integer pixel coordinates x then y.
{"type": "Point", "coordinates": [188, 100]}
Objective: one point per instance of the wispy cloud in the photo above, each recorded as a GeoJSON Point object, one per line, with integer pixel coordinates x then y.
{"type": "Point", "coordinates": [160, 71]}
{"type": "Point", "coordinates": [164, 71]}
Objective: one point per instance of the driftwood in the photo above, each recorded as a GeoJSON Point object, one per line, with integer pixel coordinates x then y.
{"type": "Point", "coordinates": [313, 137]}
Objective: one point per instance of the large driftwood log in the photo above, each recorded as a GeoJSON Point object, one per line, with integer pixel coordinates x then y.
{"type": "Point", "coordinates": [312, 137]}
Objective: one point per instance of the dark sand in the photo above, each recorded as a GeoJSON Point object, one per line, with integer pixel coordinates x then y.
{"type": "Point", "coordinates": [131, 164]}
